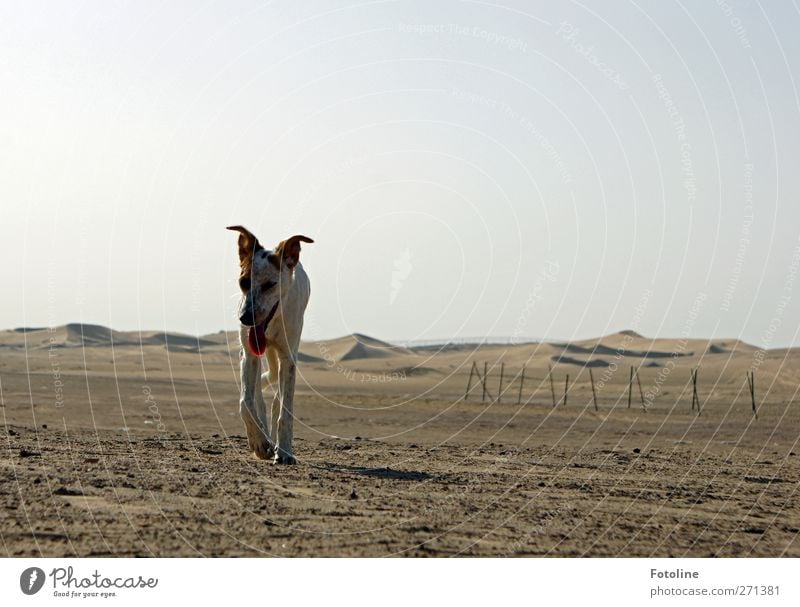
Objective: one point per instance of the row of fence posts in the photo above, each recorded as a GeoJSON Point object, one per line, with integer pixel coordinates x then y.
{"type": "Point", "coordinates": [483, 379]}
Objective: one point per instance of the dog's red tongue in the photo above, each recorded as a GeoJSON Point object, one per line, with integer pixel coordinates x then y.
{"type": "Point", "coordinates": [257, 338]}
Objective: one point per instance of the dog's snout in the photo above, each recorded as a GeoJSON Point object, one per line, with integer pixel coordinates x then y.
{"type": "Point", "coordinates": [247, 318]}
{"type": "Point", "coordinates": [246, 313]}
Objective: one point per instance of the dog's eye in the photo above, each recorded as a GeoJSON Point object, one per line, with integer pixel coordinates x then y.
{"type": "Point", "coordinates": [267, 285]}
{"type": "Point", "coordinates": [244, 283]}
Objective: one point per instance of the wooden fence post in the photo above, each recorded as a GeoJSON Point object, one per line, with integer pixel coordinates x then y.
{"type": "Point", "coordinates": [566, 388]}
{"type": "Point", "coordinates": [500, 386]}
{"type": "Point", "coordinates": [594, 394]}
{"type": "Point", "coordinates": [751, 380]}
{"type": "Point", "coordinates": [469, 381]}
{"type": "Point", "coordinates": [485, 372]}
{"type": "Point", "coordinates": [521, 382]}
{"type": "Point", "coordinates": [695, 397]}
{"type": "Point", "coordinates": [552, 386]}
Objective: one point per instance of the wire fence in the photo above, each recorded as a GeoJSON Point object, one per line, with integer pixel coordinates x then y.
{"type": "Point", "coordinates": [497, 383]}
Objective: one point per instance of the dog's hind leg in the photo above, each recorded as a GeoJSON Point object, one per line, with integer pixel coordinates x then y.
{"type": "Point", "coordinates": [270, 378]}
{"type": "Point", "coordinates": [272, 374]}
{"type": "Point", "coordinates": [276, 412]}
{"type": "Point", "coordinates": [253, 409]}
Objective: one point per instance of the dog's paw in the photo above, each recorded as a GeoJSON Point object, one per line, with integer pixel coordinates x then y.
{"type": "Point", "coordinates": [281, 457]}
{"type": "Point", "coordinates": [264, 450]}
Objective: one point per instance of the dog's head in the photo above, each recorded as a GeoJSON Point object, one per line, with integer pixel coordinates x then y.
{"type": "Point", "coordinates": [264, 278]}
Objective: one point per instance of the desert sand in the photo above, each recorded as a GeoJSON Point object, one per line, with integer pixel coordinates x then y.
{"type": "Point", "coordinates": [130, 444]}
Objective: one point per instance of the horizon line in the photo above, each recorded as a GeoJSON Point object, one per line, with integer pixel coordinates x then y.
{"type": "Point", "coordinates": [489, 340]}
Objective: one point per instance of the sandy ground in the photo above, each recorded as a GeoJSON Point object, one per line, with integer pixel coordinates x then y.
{"type": "Point", "coordinates": [120, 445]}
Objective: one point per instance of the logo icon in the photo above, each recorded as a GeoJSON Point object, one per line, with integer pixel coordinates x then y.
{"type": "Point", "coordinates": [31, 580]}
{"type": "Point", "coordinates": [402, 269]}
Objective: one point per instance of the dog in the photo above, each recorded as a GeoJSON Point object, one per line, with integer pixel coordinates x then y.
{"type": "Point", "coordinates": [275, 292]}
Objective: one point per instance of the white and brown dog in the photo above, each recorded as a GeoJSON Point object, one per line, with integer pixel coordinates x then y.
{"type": "Point", "coordinates": [275, 292]}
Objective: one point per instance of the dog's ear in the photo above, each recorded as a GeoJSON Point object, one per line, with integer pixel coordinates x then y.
{"type": "Point", "coordinates": [288, 251]}
{"type": "Point", "coordinates": [248, 245]}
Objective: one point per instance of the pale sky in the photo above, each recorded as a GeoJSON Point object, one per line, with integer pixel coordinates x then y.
{"type": "Point", "coordinates": [546, 170]}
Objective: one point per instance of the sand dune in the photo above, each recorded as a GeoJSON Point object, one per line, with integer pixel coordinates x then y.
{"type": "Point", "coordinates": [603, 349]}
{"type": "Point", "coordinates": [354, 347]}
{"type": "Point", "coordinates": [630, 344]}
{"type": "Point", "coordinates": [229, 338]}
{"type": "Point", "coordinates": [729, 346]}
{"type": "Point", "coordinates": [160, 338]}
{"type": "Point", "coordinates": [89, 335]}
{"type": "Point", "coordinates": [590, 363]}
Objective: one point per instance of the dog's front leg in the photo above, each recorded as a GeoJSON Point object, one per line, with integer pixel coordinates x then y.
{"type": "Point", "coordinates": [276, 412]}
{"type": "Point", "coordinates": [283, 451]}
{"type": "Point", "coordinates": [249, 404]}
{"type": "Point", "coordinates": [274, 379]}
{"type": "Point", "coordinates": [261, 412]}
